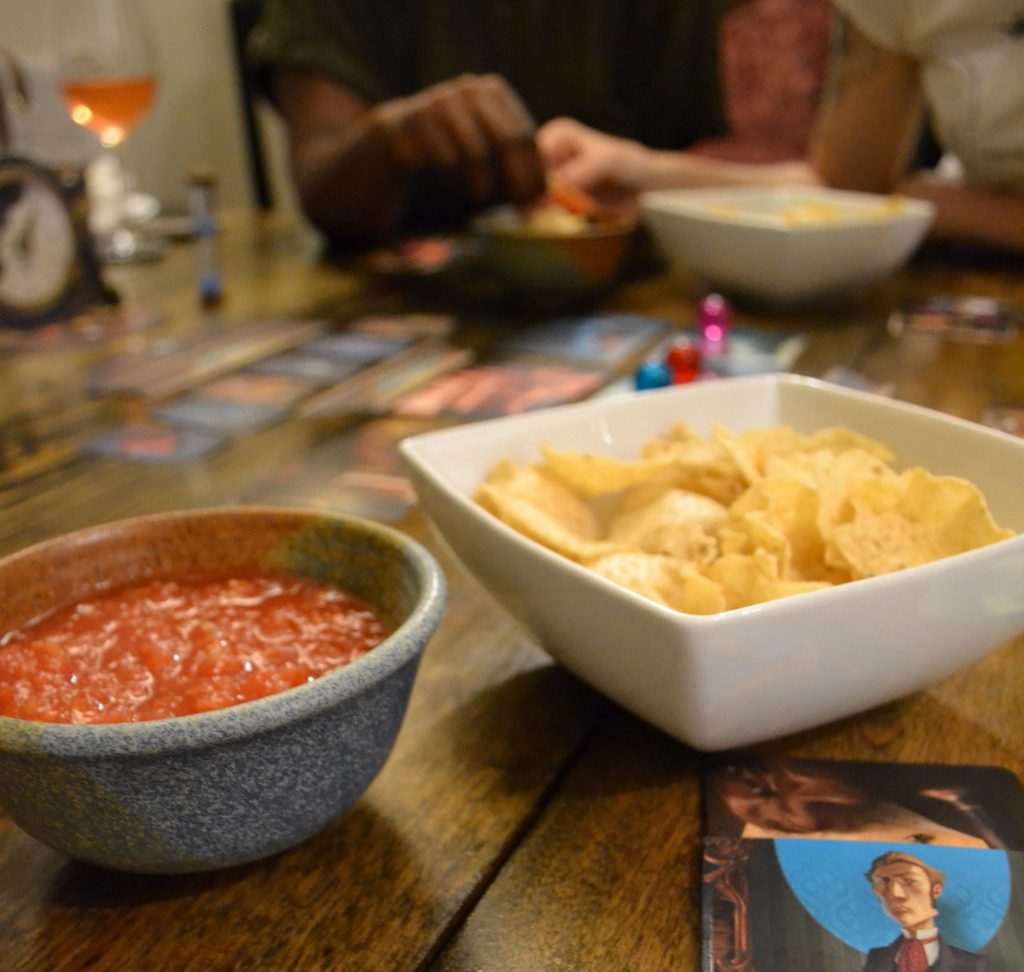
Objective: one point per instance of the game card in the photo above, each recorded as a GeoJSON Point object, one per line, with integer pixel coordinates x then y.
{"type": "Point", "coordinates": [608, 340]}
{"type": "Point", "coordinates": [237, 403]}
{"type": "Point", "coordinates": [265, 389]}
{"type": "Point", "coordinates": [155, 444]}
{"type": "Point", "coordinates": [374, 388]}
{"type": "Point", "coordinates": [814, 866]}
{"type": "Point", "coordinates": [169, 367]}
{"type": "Point", "coordinates": [489, 390]}
{"type": "Point", "coordinates": [981, 320]}
{"type": "Point", "coordinates": [219, 415]}
{"type": "Point", "coordinates": [358, 349]}
{"type": "Point", "coordinates": [302, 364]}
{"type": "Point", "coordinates": [331, 358]}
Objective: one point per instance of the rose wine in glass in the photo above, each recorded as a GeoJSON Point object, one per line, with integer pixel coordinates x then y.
{"type": "Point", "coordinates": [109, 107]}
{"type": "Point", "coordinates": [108, 78]}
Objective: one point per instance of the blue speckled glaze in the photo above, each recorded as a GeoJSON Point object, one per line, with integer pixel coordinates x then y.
{"type": "Point", "coordinates": [237, 784]}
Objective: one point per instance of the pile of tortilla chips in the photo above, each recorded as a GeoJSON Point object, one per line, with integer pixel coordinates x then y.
{"type": "Point", "coordinates": [704, 525]}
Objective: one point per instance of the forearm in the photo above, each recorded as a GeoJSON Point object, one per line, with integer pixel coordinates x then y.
{"type": "Point", "coordinates": [424, 161]}
{"type": "Point", "coordinates": [616, 169]}
{"type": "Point", "coordinates": [350, 185]}
{"type": "Point", "coordinates": [965, 214]}
{"type": "Point", "coordinates": [669, 170]}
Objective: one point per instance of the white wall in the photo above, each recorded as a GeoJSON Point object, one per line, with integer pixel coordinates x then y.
{"type": "Point", "coordinates": [196, 119]}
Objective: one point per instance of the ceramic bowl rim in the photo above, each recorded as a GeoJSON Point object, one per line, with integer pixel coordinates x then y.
{"type": "Point", "coordinates": [612, 227]}
{"type": "Point", "coordinates": [247, 719]}
{"type": "Point", "coordinates": [686, 204]}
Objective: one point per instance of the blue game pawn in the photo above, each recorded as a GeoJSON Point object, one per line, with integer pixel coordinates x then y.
{"type": "Point", "coordinates": [652, 374]}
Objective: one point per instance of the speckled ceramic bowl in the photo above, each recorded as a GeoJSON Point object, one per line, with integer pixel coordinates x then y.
{"type": "Point", "coordinates": [220, 788]}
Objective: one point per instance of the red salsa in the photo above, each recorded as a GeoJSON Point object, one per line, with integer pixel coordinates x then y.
{"type": "Point", "coordinates": [172, 648]}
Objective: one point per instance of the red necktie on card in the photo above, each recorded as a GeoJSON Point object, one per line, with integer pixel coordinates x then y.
{"type": "Point", "coordinates": [912, 957]}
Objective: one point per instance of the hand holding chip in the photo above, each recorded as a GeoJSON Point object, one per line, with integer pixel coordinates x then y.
{"type": "Point", "coordinates": [474, 126]}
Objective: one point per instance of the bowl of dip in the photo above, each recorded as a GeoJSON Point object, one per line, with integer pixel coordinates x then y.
{"type": "Point", "coordinates": [195, 690]}
{"type": "Point", "coordinates": [552, 255]}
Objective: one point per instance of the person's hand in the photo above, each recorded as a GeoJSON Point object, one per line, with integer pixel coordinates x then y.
{"type": "Point", "coordinates": [474, 127]}
{"type": "Point", "coordinates": [613, 170]}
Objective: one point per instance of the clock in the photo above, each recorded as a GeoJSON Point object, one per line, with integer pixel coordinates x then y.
{"type": "Point", "coordinates": [48, 270]}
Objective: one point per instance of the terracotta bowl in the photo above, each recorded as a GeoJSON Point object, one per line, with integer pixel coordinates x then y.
{"type": "Point", "coordinates": [553, 265]}
{"type": "Point", "coordinates": [219, 788]}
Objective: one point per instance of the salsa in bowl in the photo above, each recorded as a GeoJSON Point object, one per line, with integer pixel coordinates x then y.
{"type": "Point", "coordinates": [241, 781]}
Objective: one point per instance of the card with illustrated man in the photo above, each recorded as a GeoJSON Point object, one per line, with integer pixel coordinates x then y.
{"type": "Point", "coordinates": [815, 866]}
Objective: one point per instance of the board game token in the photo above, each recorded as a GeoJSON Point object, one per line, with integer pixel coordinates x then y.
{"type": "Point", "coordinates": [683, 360]}
{"type": "Point", "coordinates": [652, 374]}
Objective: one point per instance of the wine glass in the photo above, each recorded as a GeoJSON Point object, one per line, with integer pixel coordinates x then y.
{"type": "Point", "coordinates": [107, 75]}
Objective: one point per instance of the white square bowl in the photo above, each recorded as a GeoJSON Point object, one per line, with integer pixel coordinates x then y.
{"type": "Point", "coordinates": [751, 674]}
{"type": "Point", "coordinates": [744, 241]}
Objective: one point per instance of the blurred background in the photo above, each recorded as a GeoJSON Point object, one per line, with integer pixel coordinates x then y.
{"type": "Point", "coordinates": [197, 120]}
{"type": "Point", "coordinates": [773, 56]}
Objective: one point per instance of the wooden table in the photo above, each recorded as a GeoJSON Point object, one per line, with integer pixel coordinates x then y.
{"type": "Point", "coordinates": [523, 821]}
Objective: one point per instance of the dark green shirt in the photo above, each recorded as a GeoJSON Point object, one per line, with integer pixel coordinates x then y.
{"type": "Point", "coordinates": [645, 69]}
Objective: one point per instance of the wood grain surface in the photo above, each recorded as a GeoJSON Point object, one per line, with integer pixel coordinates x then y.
{"type": "Point", "coordinates": [522, 822]}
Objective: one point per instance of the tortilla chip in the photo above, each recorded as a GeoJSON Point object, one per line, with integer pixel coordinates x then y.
{"type": "Point", "coordinates": [588, 474]}
{"type": "Point", "coordinates": [536, 504]}
{"type": "Point", "coordinates": [674, 522]}
{"type": "Point", "coordinates": [698, 466]}
{"type": "Point", "coordinates": [664, 580]}
{"type": "Point", "coordinates": [838, 439]}
{"type": "Point", "coordinates": [739, 575]}
{"type": "Point", "coordinates": [953, 509]}
{"type": "Point", "coordinates": [704, 525]}
{"type": "Point", "coordinates": [741, 451]}
{"type": "Point", "coordinates": [790, 509]}
{"type": "Point", "coordinates": [912, 520]}
{"type": "Point", "coordinates": [834, 477]}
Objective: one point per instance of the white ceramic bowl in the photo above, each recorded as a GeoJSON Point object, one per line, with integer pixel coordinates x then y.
{"type": "Point", "coordinates": [785, 245]}
{"type": "Point", "coordinates": [746, 675]}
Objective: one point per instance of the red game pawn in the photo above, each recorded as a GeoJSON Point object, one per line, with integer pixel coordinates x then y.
{"type": "Point", "coordinates": [683, 360]}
